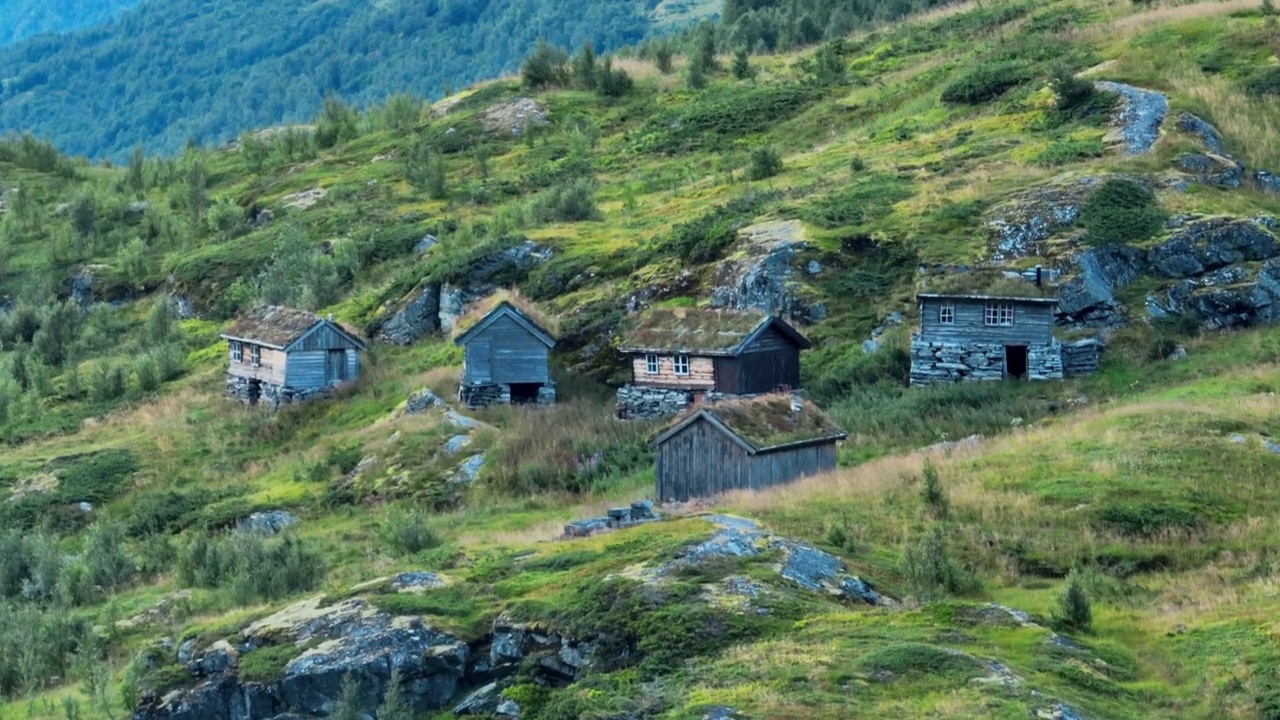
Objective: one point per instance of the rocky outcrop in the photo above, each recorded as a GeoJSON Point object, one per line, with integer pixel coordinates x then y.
{"type": "Point", "coordinates": [619, 517]}
{"type": "Point", "coordinates": [759, 274]}
{"type": "Point", "coordinates": [1211, 244]}
{"type": "Point", "coordinates": [350, 638]}
{"type": "Point", "coordinates": [1088, 297]}
{"type": "Point", "coordinates": [1137, 120]}
{"type": "Point", "coordinates": [1018, 227]}
{"type": "Point", "coordinates": [434, 307]}
{"type": "Point", "coordinates": [415, 316]}
{"type": "Point", "coordinates": [1208, 134]}
{"type": "Point", "coordinates": [1224, 300]}
{"type": "Point", "coordinates": [1211, 169]}
{"type": "Point", "coordinates": [514, 116]}
{"type": "Point", "coordinates": [271, 522]}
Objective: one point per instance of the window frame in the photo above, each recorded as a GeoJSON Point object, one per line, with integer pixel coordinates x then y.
{"type": "Point", "coordinates": [652, 365]}
{"type": "Point", "coordinates": [947, 313]}
{"type": "Point", "coordinates": [255, 355]}
{"type": "Point", "coordinates": [677, 362]}
{"type": "Point", "coordinates": [998, 314]}
{"type": "Point", "coordinates": [236, 348]}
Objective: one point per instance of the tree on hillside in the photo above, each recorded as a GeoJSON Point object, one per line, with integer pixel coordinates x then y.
{"type": "Point", "coordinates": [742, 69]}
{"type": "Point", "coordinates": [545, 67]}
{"type": "Point", "coordinates": [584, 68]}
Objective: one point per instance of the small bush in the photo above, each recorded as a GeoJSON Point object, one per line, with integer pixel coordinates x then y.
{"type": "Point", "coordinates": [1161, 348]}
{"type": "Point", "coordinates": [249, 566]}
{"type": "Point", "coordinates": [266, 664]}
{"type": "Point", "coordinates": [1264, 83]}
{"type": "Point", "coordinates": [765, 163]}
{"type": "Point", "coordinates": [985, 82]}
{"type": "Point", "coordinates": [1121, 211]}
{"type": "Point", "coordinates": [408, 533]}
{"type": "Point", "coordinates": [574, 202]}
{"type": "Point", "coordinates": [742, 69]}
{"type": "Point", "coordinates": [1062, 152]}
{"type": "Point", "coordinates": [913, 658]}
{"type": "Point", "coordinates": [664, 56]}
{"type": "Point", "coordinates": [931, 491]}
{"type": "Point", "coordinates": [546, 67]}
{"type": "Point", "coordinates": [857, 164]}
{"type": "Point", "coordinates": [932, 572]}
{"type": "Point", "coordinates": [1072, 92]}
{"type": "Point", "coordinates": [1074, 610]}
{"type": "Point", "coordinates": [1149, 519]}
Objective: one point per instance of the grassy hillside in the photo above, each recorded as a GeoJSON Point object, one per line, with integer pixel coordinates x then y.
{"type": "Point", "coordinates": [1144, 487]}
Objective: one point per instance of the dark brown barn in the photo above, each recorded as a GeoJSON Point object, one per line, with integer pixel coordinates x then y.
{"type": "Point", "coordinates": [678, 355]}
{"type": "Point", "coordinates": [743, 444]}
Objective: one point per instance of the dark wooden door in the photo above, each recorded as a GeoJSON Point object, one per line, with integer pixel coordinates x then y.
{"type": "Point", "coordinates": [335, 366]}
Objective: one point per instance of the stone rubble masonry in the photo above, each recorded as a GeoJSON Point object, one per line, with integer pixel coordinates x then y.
{"type": "Point", "coordinates": [1081, 357]}
{"type": "Point", "coordinates": [650, 403]}
{"type": "Point", "coordinates": [270, 394]}
{"type": "Point", "coordinates": [480, 396]}
{"type": "Point", "coordinates": [933, 362]}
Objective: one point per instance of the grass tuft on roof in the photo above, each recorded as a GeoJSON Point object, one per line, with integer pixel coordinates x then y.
{"type": "Point", "coordinates": [482, 307]}
{"type": "Point", "coordinates": [769, 421]}
{"type": "Point", "coordinates": [986, 282]}
{"type": "Point", "coordinates": [690, 330]}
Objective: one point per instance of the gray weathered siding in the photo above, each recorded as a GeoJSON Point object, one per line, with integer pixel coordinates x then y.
{"type": "Point", "coordinates": [784, 466]}
{"type": "Point", "coordinates": [514, 355]}
{"type": "Point", "coordinates": [1032, 323]}
{"type": "Point", "coordinates": [769, 361]}
{"type": "Point", "coordinates": [322, 337]}
{"type": "Point", "coordinates": [305, 369]}
{"type": "Point", "coordinates": [701, 461]}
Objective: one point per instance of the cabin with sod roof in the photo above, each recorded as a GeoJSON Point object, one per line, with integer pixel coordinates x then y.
{"type": "Point", "coordinates": [681, 355]}
{"type": "Point", "coordinates": [743, 444]}
{"type": "Point", "coordinates": [993, 337]}
{"type": "Point", "coordinates": [283, 355]}
{"type": "Point", "coordinates": [506, 359]}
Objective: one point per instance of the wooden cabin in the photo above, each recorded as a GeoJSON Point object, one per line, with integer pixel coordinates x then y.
{"type": "Point", "coordinates": [506, 360]}
{"type": "Point", "coordinates": [283, 355]}
{"type": "Point", "coordinates": [985, 337]}
{"type": "Point", "coordinates": [743, 444]}
{"type": "Point", "coordinates": [679, 355]}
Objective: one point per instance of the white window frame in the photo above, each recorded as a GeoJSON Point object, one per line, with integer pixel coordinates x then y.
{"type": "Point", "coordinates": [998, 314]}
{"type": "Point", "coordinates": [255, 356]}
{"type": "Point", "coordinates": [237, 351]}
{"type": "Point", "coordinates": [947, 313]}
{"type": "Point", "coordinates": [651, 364]}
{"type": "Point", "coordinates": [680, 365]}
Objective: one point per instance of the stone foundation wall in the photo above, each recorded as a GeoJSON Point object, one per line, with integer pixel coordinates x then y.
{"type": "Point", "coordinates": [480, 396]}
{"type": "Point", "coordinates": [933, 363]}
{"type": "Point", "coordinates": [1081, 358]}
{"type": "Point", "coordinates": [647, 403]}
{"type": "Point", "coordinates": [270, 394]}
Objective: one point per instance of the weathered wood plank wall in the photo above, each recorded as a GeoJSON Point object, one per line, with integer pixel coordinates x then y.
{"type": "Point", "coordinates": [1032, 323]}
{"type": "Point", "coordinates": [702, 373]}
{"type": "Point", "coordinates": [271, 370]}
{"type": "Point", "coordinates": [505, 353]}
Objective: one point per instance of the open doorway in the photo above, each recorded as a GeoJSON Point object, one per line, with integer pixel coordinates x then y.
{"type": "Point", "coordinates": [1015, 361]}
{"type": "Point", "coordinates": [255, 391]}
{"type": "Point", "coordinates": [524, 392]}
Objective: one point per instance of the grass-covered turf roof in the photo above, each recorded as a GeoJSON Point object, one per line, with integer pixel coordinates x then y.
{"type": "Point", "coordinates": [480, 309]}
{"type": "Point", "coordinates": [766, 421]}
{"type": "Point", "coordinates": [989, 284]}
{"type": "Point", "coordinates": [276, 325]}
{"type": "Point", "coordinates": [690, 330]}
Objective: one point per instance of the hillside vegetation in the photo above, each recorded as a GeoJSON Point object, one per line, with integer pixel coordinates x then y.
{"type": "Point", "coordinates": [1105, 549]}
{"type": "Point", "coordinates": [20, 19]}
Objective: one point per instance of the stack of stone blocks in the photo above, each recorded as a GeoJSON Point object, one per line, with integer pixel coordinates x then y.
{"type": "Point", "coordinates": [936, 362]}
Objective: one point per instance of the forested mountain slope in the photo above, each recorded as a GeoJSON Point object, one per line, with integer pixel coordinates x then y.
{"type": "Point", "coordinates": [20, 19]}
{"type": "Point", "coordinates": [181, 69]}
{"type": "Point", "coordinates": [1101, 547]}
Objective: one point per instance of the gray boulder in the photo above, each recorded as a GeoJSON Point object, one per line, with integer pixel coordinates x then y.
{"type": "Point", "coordinates": [759, 274]}
{"type": "Point", "coordinates": [1211, 244]}
{"type": "Point", "coordinates": [1215, 170]}
{"type": "Point", "coordinates": [1207, 133]}
{"type": "Point", "coordinates": [1138, 119]}
{"type": "Point", "coordinates": [418, 315]}
{"type": "Point", "coordinates": [1089, 296]}
{"type": "Point", "coordinates": [1019, 226]}
{"type": "Point", "coordinates": [1266, 182]}
{"type": "Point", "coordinates": [270, 522]}
{"type": "Point", "coordinates": [422, 401]}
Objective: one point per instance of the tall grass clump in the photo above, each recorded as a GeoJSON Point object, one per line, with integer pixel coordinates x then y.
{"type": "Point", "coordinates": [250, 567]}
{"type": "Point", "coordinates": [1074, 610]}
{"type": "Point", "coordinates": [407, 533]}
{"type": "Point", "coordinates": [932, 572]}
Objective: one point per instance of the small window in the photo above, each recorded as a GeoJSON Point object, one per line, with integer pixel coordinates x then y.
{"type": "Point", "coordinates": [999, 314]}
{"type": "Point", "coordinates": [947, 313]}
{"type": "Point", "coordinates": [255, 355]}
{"type": "Point", "coordinates": [237, 350]}
{"type": "Point", "coordinates": [681, 364]}
{"type": "Point", "coordinates": [651, 364]}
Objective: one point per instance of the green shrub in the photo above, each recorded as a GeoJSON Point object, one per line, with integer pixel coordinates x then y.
{"type": "Point", "coordinates": [407, 533]}
{"type": "Point", "coordinates": [547, 66]}
{"type": "Point", "coordinates": [1062, 152]}
{"type": "Point", "coordinates": [1162, 346]}
{"type": "Point", "coordinates": [742, 69]}
{"type": "Point", "coordinates": [1074, 610]}
{"type": "Point", "coordinates": [612, 82]}
{"type": "Point", "coordinates": [1148, 519]}
{"type": "Point", "coordinates": [891, 365]}
{"type": "Point", "coordinates": [928, 566]}
{"type": "Point", "coordinates": [1264, 83]}
{"type": "Point", "coordinates": [1121, 211]}
{"type": "Point", "coordinates": [249, 566]}
{"type": "Point", "coordinates": [985, 82]}
{"type": "Point", "coordinates": [765, 163]}
{"type": "Point", "coordinates": [932, 493]}
{"type": "Point", "coordinates": [266, 664]}
{"type": "Point", "coordinates": [1073, 92]}
{"type": "Point", "coordinates": [572, 202]}
{"type": "Point", "coordinates": [722, 114]}
{"type": "Point", "coordinates": [869, 197]}
{"type": "Point", "coordinates": [912, 659]}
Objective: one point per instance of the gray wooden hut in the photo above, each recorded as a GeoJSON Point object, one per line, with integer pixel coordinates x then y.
{"type": "Point", "coordinates": [679, 355]}
{"type": "Point", "coordinates": [284, 355]}
{"type": "Point", "coordinates": [506, 360]}
{"type": "Point", "coordinates": [985, 337]}
{"type": "Point", "coordinates": [743, 444]}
